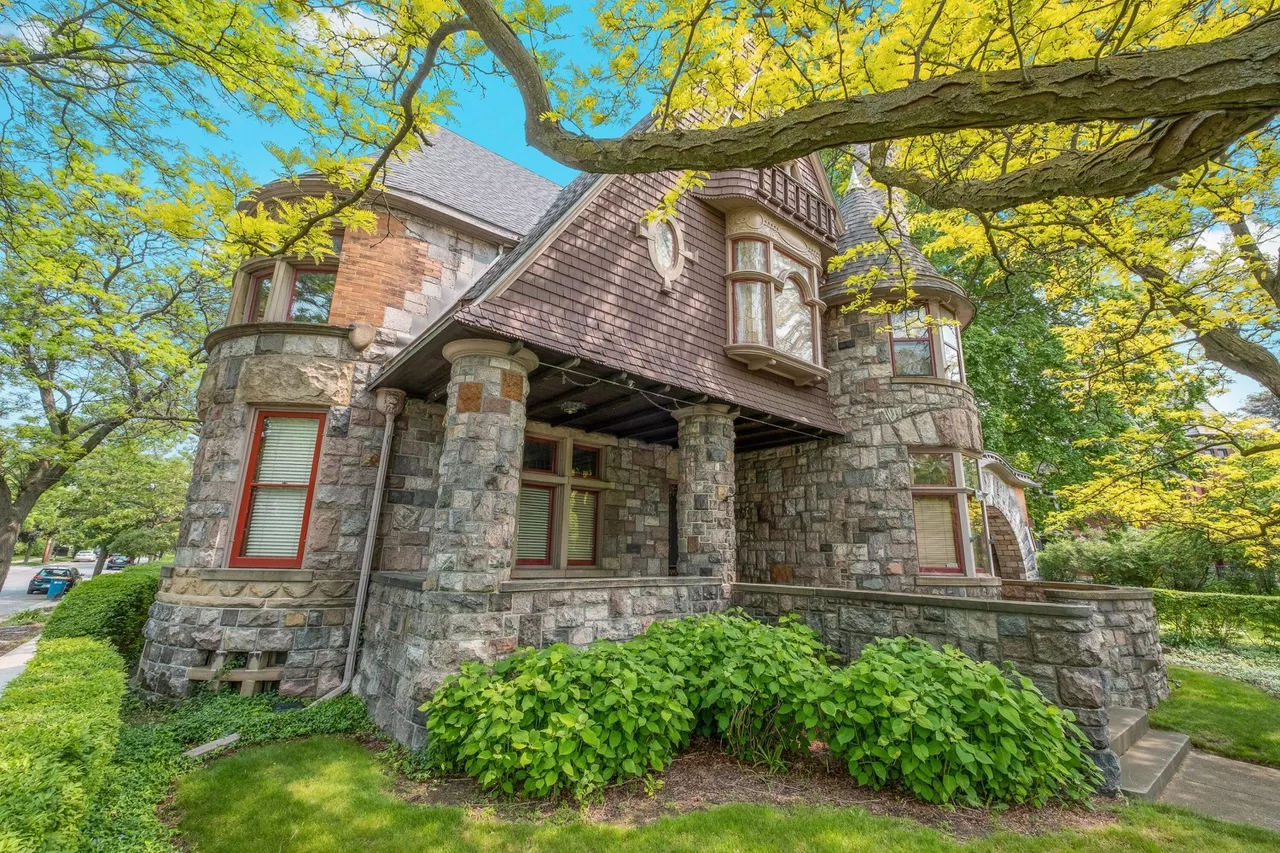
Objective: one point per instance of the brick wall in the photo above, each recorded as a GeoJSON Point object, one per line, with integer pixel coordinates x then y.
{"type": "Point", "coordinates": [407, 267]}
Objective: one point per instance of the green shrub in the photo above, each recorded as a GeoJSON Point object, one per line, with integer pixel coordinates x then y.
{"type": "Point", "coordinates": [109, 607]}
{"type": "Point", "coordinates": [747, 682]}
{"type": "Point", "coordinates": [59, 722]}
{"type": "Point", "coordinates": [947, 727]}
{"type": "Point", "coordinates": [941, 725]}
{"type": "Point", "coordinates": [559, 719]}
{"type": "Point", "coordinates": [1218, 616]}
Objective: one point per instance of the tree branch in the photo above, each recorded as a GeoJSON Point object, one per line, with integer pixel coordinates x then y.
{"type": "Point", "coordinates": [1158, 154]}
{"type": "Point", "coordinates": [1235, 73]}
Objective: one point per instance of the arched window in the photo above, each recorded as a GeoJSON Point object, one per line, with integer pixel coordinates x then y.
{"type": "Point", "coordinates": [793, 322]}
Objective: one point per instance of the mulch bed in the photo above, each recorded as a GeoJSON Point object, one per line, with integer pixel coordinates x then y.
{"type": "Point", "coordinates": [704, 777]}
{"type": "Point", "coordinates": [16, 635]}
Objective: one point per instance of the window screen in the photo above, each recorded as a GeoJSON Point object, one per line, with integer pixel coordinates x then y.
{"type": "Point", "coordinates": [279, 487]}
{"type": "Point", "coordinates": [582, 527]}
{"type": "Point", "coordinates": [936, 532]}
{"type": "Point", "coordinates": [533, 536]}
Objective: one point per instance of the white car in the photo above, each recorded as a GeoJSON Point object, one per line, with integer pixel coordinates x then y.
{"type": "Point", "coordinates": [85, 557]}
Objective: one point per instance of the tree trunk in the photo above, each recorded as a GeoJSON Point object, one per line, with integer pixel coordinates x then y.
{"type": "Point", "coordinates": [10, 525]}
{"type": "Point", "coordinates": [102, 561]}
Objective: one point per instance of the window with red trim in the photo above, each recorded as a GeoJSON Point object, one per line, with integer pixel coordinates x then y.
{"type": "Point", "coordinates": [259, 291]}
{"type": "Point", "coordinates": [275, 503]}
{"type": "Point", "coordinates": [558, 514]}
{"type": "Point", "coordinates": [950, 518]}
{"type": "Point", "coordinates": [925, 341]}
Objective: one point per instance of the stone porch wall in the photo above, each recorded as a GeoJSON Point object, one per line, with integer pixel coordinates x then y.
{"type": "Point", "coordinates": [1126, 619]}
{"type": "Point", "coordinates": [414, 636]}
{"type": "Point", "coordinates": [1056, 645]}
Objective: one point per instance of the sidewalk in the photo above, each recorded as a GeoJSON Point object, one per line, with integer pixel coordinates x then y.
{"type": "Point", "coordinates": [1228, 790]}
{"type": "Point", "coordinates": [13, 663]}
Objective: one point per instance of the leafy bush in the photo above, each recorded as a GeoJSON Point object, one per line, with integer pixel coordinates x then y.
{"type": "Point", "coordinates": [1218, 616]}
{"type": "Point", "coordinates": [109, 607]}
{"type": "Point", "coordinates": [747, 682]}
{"type": "Point", "coordinates": [946, 727]}
{"type": "Point", "coordinates": [59, 722]}
{"type": "Point", "coordinates": [559, 719]}
{"type": "Point", "coordinates": [150, 755]}
{"type": "Point", "coordinates": [941, 725]}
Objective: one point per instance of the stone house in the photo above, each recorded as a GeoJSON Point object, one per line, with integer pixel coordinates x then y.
{"type": "Point", "coordinates": [517, 414]}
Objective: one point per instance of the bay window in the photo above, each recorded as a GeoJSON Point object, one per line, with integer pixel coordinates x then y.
{"type": "Point", "coordinates": [279, 290]}
{"type": "Point", "coordinates": [950, 518]}
{"type": "Point", "coordinates": [775, 311]}
{"type": "Point", "coordinates": [275, 502]}
{"type": "Point", "coordinates": [558, 513]}
{"type": "Point", "coordinates": [925, 342]}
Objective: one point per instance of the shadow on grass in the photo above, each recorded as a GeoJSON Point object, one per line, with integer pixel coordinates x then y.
{"type": "Point", "coordinates": [326, 795]}
{"type": "Point", "coordinates": [1222, 715]}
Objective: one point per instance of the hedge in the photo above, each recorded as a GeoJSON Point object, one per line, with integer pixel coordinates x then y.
{"type": "Point", "coordinates": [109, 607]}
{"type": "Point", "coordinates": [1218, 616]}
{"type": "Point", "coordinates": [59, 722]}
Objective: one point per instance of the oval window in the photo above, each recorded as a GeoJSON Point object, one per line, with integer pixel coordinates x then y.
{"type": "Point", "coordinates": [664, 246]}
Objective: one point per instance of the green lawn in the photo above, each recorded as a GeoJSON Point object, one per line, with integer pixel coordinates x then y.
{"type": "Point", "coordinates": [1223, 716]}
{"type": "Point", "coordinates": [330, 794]}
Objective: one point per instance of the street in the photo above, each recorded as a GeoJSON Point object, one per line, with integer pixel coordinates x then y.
{"type": "Point", "coordinates": [14, 595]}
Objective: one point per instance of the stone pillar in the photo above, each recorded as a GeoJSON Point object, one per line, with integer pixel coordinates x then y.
{"type": "Point", "coordinates": [474, 529]}
{"type": "Point", "coordinates": [704, 496]}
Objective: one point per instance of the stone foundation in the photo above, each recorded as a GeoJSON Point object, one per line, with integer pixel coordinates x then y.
{"type": "Point", "coordinates": [414, 636]}
{"type": "Point", "coordinates": [1126, 619]}
{"type": "Point", "coordinates": [1055, 645]}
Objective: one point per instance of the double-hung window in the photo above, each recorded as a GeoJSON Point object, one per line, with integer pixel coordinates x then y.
{"type": "Point", "coordinates": [558, 516]}
{"type": "Point", "coordinates": [275, 503]}
{"type": "Point", "coordinates": [950, 518]}
{"type": "Point", "coordinates": [309, 298]}
{"type": "Point", "coordinates": [925, 341]}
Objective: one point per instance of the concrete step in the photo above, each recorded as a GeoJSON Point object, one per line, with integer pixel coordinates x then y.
{"type": "Point", "coordinates": [1149, 764]}
{"type": "Point", "coordinates": [1126, 727]}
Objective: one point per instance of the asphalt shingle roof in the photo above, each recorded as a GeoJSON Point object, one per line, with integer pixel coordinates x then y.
{"type": "Point", "coordinates": [470, 178]}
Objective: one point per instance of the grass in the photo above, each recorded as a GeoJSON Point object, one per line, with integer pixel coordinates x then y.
{"type": "Point", "coordinates": [1256, 664]}
{"type": "Point", "coordinates": [1222, 715]}
{"type": "Point", "coordinates": [31, 616]}
{"type": "Point", "coordinates": [330, 794]}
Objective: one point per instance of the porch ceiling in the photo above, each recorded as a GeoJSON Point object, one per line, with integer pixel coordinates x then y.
{"type": "Point", "coordinates": [568, 392]}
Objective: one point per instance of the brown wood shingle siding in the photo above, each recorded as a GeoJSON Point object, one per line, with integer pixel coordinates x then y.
{"type": "Point", "coordinates": [593, 293]}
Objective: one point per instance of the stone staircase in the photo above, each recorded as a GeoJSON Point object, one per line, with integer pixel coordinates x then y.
{"type": "Point", "coordinates": [1149, 758]}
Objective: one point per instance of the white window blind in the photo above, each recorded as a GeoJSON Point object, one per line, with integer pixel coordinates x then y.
{"type": "Point", "coordinates": [935, 532]}
{"type": "Point", "coordinates": [582, 527]}
{"type": "Point", "coordinates": [750, 306]}
{"type": "Point", "coordinates": [533, 538]}
{"type": "Point", "coordinates": [278, 490]}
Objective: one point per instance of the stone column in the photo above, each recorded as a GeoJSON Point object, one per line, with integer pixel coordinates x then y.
{"type": "Point", "coordinates": [474, 529]}
{"type": "Point", "coordinates": [704, 496]}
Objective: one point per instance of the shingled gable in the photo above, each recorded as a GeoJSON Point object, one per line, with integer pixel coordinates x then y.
{"type": "Point", "coordinates": [591, 292]}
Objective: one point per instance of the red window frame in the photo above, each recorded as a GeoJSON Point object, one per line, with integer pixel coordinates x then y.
{"type": "Point", "coordinates": [249, 484]}
{"type": "Point", "coordinates": [555, 452]}
{"type": "Point", "coordinates": [956, 508]}
{"type": "Point", "coordinates": [293, 286]}
{"type": "Point", "coordinates": [251, 315]}
{"type": "Point", "coordinates": [595, 530]}
{"type": "Point", "coordinates": [928, 338]}
{"type": "Point", "coordinates": [551, 525]}
{"type": "Point", "coordinates": [599, 452]}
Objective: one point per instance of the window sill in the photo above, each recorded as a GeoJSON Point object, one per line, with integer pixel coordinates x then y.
{"type": "Point", "coordinates": [243, 330]}
{"type": "Point", "coordinates": [760, 357]}
{"type": "Point", "coordinates": [941, 579]}
{"type": "Point", "coordinates": [927, 380]}
{"type": "Point", "coordinates": [269, 575]}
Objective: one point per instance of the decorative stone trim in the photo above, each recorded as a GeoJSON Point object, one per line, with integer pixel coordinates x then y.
{"type": "Point", "coordinates": [1034, 608]}
{"type": "Point", "coordinates": [245, 330]}
{"type": "Point", "coordinates": [556, 584]}
{"type": "Point", "coordinates": [929, 579]}
{"type": "Point", "coordinates": [454, 350]}
{"type": "Point", "coordinates": [930, 380]}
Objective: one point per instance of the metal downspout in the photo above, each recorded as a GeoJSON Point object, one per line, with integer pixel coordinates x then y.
{"type": "Point", "coordinates": [389, 401]}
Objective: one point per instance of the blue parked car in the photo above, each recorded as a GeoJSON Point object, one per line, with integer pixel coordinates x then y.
{"type": "Point", "coordinates": [40, 583]}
